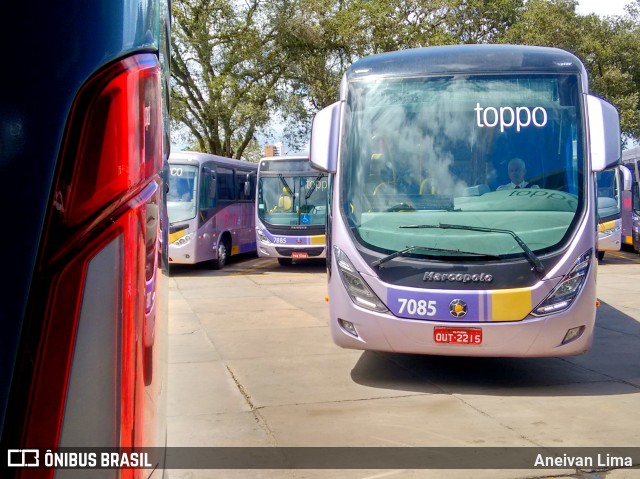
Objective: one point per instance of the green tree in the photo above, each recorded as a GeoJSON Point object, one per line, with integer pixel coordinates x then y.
{"type": "Point", "coordinates": [608, 47]}
{"type": "Point", "coordinates": [227, 69]}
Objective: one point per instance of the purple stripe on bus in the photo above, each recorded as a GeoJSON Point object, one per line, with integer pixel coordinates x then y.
{"type": "Point", "coordinates": [438, 305]}
{"type": "Point", "coordinates": [287, 240]}
{"type": "Point", "coordinates": [247, 247]}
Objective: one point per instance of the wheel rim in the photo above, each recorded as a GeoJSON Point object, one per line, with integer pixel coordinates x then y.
{"type": "Point", "coordinates": [222, 253]}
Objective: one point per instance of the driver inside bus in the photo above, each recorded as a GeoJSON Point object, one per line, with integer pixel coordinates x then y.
{"type": "Point", "coordinates": [284, 202]}
{"type": "Point", "coordinates": [516, 169]}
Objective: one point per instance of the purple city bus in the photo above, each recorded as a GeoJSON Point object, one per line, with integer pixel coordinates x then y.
{"type": "Point", "coordinates": [613, 190]}
{"type": "Point", "coordinates": [631, 201]}
{"type": "Point", "coordinates": [210, 204]}
{"type": "Point", "coordinates": [291, 209]}
{"type": "Point", "coordinates": [434, 246]}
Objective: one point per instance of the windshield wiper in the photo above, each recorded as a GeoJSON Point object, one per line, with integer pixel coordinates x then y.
{"type": "Point", "coordinates": [284, 182]}
{"type": "Point", "coordinates": [313, 186]}
{"type": "Point", "coordinates": [409, 249]}
{"type": "Point", "coordinates": [533, 259]}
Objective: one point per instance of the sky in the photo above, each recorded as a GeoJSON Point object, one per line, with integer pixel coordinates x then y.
{"type": "Point", "coordinates": [602, 7]}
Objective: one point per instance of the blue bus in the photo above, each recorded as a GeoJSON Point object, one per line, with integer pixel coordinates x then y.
{"type": "Point", "coordinates": [463, 217]}
{"type": "Point", "coordinates": [83, 146]}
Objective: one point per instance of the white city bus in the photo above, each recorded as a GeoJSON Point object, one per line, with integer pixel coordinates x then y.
{"type": "Point", "coordinates": [433, 249]}
{"type": "Point", "coordinates": [210, 206]}
{"type": "Point", "coordinates": [291, 209]}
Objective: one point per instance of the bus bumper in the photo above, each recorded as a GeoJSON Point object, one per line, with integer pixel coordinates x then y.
{"type": "Point", "coordinates": [184, 253]}
{"type": "Point", "coordinates": [290, 251]}
{"type": "Point", "coordinates": [610, 239]}
{"type": "Point", "coordinates": [530, 337]}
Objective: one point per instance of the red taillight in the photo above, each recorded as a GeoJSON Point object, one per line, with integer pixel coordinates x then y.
{"type": "Point", "coordinates": [106, 197]}
{"type": "Point", "coordinates": [113, 147]}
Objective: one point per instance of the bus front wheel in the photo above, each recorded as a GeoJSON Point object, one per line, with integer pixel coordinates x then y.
{"type": "Point", "coordinates": [223, 252]}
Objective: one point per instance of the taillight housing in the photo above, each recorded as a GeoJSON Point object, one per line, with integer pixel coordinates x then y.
{"type": "Point", "coordinates": [106, 203]}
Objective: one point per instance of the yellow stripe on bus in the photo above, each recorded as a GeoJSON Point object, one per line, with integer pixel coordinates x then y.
{"type": "Point", "coordinates": [510, 304]}
{"type": "Point", "coordinates": [606, 226]}
{"type": "Point", "coordinates": [235, 250]}
{"type": "Point", "coordinates": [173, 237]}
{"type": "Point", "coordinates": [319, 239]}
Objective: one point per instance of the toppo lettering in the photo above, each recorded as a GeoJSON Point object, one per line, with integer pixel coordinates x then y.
{"type": "Point", "coordinates": [507, 117]}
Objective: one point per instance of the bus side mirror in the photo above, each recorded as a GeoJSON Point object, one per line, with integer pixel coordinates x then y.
{"type": "Point", "coordinates": [627, 179]}
{"type": "Point", "coordinates": [604, 133]}
{"type": "Point", "coordinates": [325, 136]}
{"type": "Point", "coordinates": [247, 186]}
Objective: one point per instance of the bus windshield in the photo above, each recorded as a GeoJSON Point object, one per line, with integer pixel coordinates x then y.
{"type": "Point", "coordinates": [293, 199]}
{"type": "Point", "coordinates": [608, 192]}
{"type": "Point", "coordinates": [181, 197]}
{"type": "Point", "coordinates": [482, 153]}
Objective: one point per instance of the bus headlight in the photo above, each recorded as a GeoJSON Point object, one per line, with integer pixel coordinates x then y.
{"type": "Point", "coordinates": [611, 231]}
{"type": "Point", "coordinates": [562, 295]}
{"type": "Point", "coordinates": [184, 240]}
{"type": "Point", "coordinates": [262, 237]}
{"type": "Point", "coordinates": [355, 285]}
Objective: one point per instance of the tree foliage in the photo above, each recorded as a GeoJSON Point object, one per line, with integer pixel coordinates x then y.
{"type": "Point", "coordinates": [238, 64]}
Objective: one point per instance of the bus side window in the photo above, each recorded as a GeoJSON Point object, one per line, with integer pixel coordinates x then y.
{"type": "Point", "coordinates": [250, 186]}
{"type": "Point", "coordinates": [208, 191]}
{"type": "Point", "coordinates": [225, 184]}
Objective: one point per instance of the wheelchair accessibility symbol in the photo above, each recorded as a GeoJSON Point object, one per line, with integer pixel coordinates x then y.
{"type": "Point", "coordinates": [305, 219]}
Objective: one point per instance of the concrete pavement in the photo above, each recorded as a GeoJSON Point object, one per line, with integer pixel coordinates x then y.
{"type": "Point", "coordinates": [252, 363]}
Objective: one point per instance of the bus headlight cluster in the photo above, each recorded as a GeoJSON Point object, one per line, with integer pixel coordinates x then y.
{"type": "Point", "coordinates": [562, 295]}
{"type": "Point", "coordinates": [184, 240]}
{"type": "Point", "coordinates": [610, 231]}
{"type": "Point", "coordinates": [360, 293]}
{"type": "Point", "coordinates": [262, 237]}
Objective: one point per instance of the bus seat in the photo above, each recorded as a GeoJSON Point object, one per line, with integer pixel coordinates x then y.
{"type": "Point", "coordinates": [384, 187]}
{"type": "Point", "coordinates": [284, 203]}
{"type": "Point", "coordinates": [427, 187]}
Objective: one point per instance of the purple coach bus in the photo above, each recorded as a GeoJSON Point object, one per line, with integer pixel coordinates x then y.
{"type": "Point", "coordinates": [210, 204]}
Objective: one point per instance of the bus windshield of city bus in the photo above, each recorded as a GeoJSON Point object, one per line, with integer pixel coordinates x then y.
{"type": "Point", "coordinates": [500, 153]}
{"type": "Point", "coordinates": [182, 193]}
{"type": "Point", "coordinates": [292, 198]}
{"type": "Point", "coordinates": [608, 194]}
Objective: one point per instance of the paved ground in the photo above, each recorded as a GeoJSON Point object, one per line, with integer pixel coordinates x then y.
{"type": "Point", "coordinates": [252, 363]}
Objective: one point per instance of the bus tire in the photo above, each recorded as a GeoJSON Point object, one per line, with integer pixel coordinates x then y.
{"type": "Point", "coordinates": [223, 254]}
{"type": "Point", "coordinates": [285, 261]}
{"type": "Point", "coordinates": [600, 255]}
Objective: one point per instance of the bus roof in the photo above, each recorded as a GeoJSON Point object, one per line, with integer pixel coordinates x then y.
{"type": "Point", "coordinates": [285, 164]}
{"type": "Point", "coordinates": [197, 157]}
{"type": "Point", "coordinates": [286, 157]}
{"type": "Point", "coordinates": [631, 154]}
{"type": "Point", "coordinates": [467, 59]}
